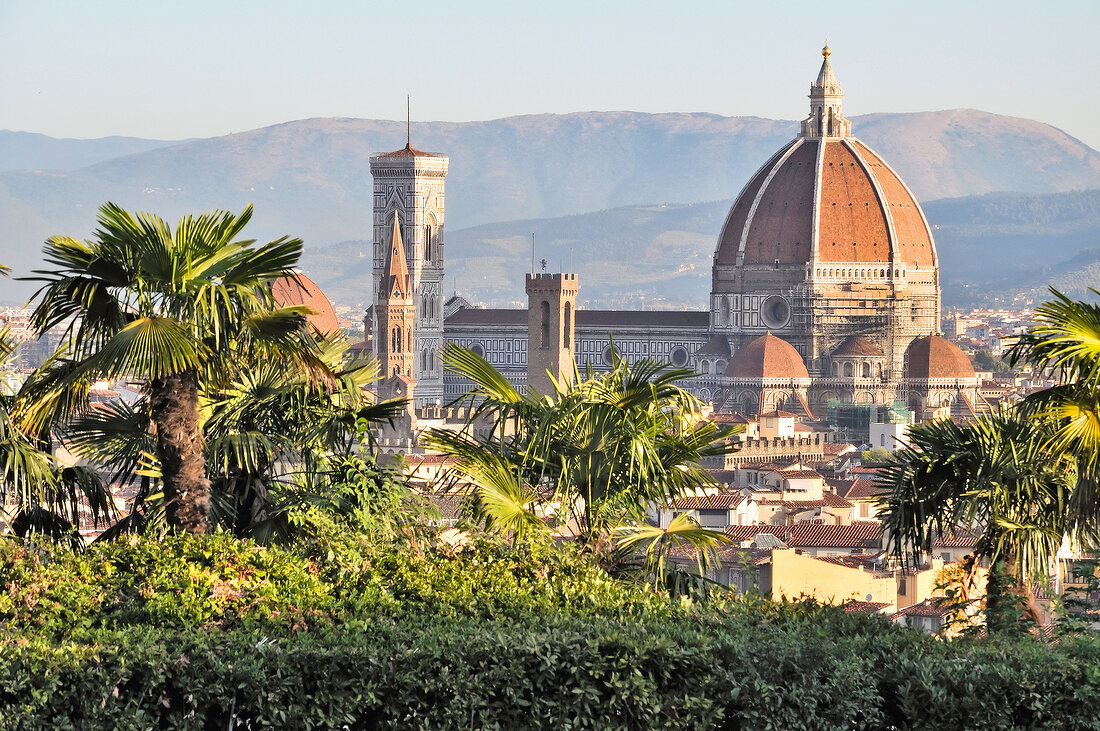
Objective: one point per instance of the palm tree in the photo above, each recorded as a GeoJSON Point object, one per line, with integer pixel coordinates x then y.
{"type": "Point", "coordinates": [1065, 341]}
{"type": "Point", "coordinates": [604, 447]}
{"type": "Point", "coordinates": [170, 309]}
{"type": "Point", "coordinates": [996, 477]}
{"type": "Point", "coordinates": [38, 496]}
{"type": "Point", "coordinates": [267, 425]}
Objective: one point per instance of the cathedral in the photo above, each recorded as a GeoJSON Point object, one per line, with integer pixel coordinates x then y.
{"type": "Point", "coordinates": [824, 292]}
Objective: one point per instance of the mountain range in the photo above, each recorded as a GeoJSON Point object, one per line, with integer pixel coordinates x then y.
{"type": "Point", "coordinates": [1000, 248]}
{"type": "Point", "coordinates": [641, 176]}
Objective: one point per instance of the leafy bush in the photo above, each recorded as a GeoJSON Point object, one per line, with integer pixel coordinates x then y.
{"type": "Point", "coordinates": [140, 634]}
{"type": "Point", "coordinates": [570, 673]}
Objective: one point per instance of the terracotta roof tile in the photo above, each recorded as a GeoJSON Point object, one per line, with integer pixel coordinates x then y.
{"type": "Point", "coordinates": [859, 345]}
{"type": "Point", "coordinates": [961, 538]}
{"type": "Point", "coordinates": [862, 534]}
{"type": "Point", "coordinates": [865, 607]}
{"type": "Point", "coordinates": [859, 488]}
{"type": "Point", "coordinates": [409, 151]}
{"type": "Point", "coordinates": [767, 357]}
{"type": "Point", "coordinates": [928, 608]}
{"type": "Point", "coordinates": [860, 203]}
{"type": "Point", "coordinates": [718, 345]}
{"type": "Point", "coordinates": [935, 357]}
{"type": "Point", "coordinates": [722, 501]}
{"type": "Point", "coordinates": [301, 290]}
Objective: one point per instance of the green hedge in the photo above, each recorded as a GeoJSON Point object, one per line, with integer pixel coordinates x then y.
{"type": "Point", "coordinates": [203, 632]}
{"type": "Point", "coordinates": [575, 674]}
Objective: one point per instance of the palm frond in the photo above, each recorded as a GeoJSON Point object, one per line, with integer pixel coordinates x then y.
{"type": "Point", "coordinates": [682, 534]}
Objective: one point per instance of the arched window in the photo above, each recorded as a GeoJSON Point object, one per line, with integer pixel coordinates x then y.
{"type": "Point", "coordinates": [428, 242]}
{"type": "Point", "coordinates": [545, 307]}
{"type": "Point", "coordinates": [395, 340]}
{"type": "Point", "coordinates": [866, 370]}
{"type": "Point", "coordinates": [836, 369]}
{"type": "Point", "coordinates": [847, 370]}
{"type": "Point", "coordinates": [566, 323]}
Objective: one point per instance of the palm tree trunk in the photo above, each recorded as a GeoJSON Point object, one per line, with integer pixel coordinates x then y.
{"type": "Point", "coordinates": [174, 402]}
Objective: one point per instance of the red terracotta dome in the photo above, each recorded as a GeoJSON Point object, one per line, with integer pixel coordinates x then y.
{"type": "Point", "coordinates": [934, 357]}
{"type": "Point", "coordinates": [859, 209]}
{"type": "Point", "coordinates": [826, 198]}
{"type": "Point", "coordinates": [304, 291]}
{"type": "Point", "coordinates": [859, 346]}
{"type": "Point", "coordinates": [767, 357]}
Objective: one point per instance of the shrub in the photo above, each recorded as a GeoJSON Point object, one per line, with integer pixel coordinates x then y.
{"type": "Point", "coordinates": [141, 634]}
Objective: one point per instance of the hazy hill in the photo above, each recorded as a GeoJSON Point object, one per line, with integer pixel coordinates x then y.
{"type": "Point", "coordinates": [311, 178]}
{"type": "Point", "coordinates": [997, 245]}
{"type": "Point", "coordinates": [31, 151]}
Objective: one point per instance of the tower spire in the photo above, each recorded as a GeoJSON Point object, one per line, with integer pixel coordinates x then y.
{"type": "Point", "coordinates": [826, 101]}
{"type": "Point", "coordinates": [395, 276]}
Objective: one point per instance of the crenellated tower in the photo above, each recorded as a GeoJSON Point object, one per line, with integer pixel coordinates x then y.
{"type": "Point", "coordinates": [409, 183]}
{"type": "Point", "coordinates": [551, 328]}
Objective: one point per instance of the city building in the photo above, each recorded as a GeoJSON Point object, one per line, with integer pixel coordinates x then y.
{"type": "Point", "coordinates": [825, 289]}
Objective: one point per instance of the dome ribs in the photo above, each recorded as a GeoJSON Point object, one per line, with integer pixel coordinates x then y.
{"type": "Point", "coordinates": [779, 225]}
{"type": "Point", "coordinates": [729, 241]}
{"type": "Point", "coordinates": [914, 239]}
{"type": "Point", "coordinates": [852, 226]}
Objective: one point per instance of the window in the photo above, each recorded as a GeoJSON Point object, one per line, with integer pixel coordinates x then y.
{"type": "Point", "coordinates": [545, 307]}
{"type": "Point", "coordinates": [566, 325]}
{"type": "Point", "coordinates": [428, 242]}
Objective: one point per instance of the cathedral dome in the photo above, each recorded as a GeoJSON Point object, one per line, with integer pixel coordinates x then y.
{"type": "Point", "coordinates": [767, 357]}
{"type": "Point", "coordinates": [857, 345]}
{"type": "Point", "coordinates": [826, 198]}
{"type": "Point", "coordinates": [935, 357]}
{"type": "Point", "coordinates": [288, 292]}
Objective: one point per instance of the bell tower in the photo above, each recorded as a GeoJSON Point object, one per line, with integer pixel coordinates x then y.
{"type": "Point", "coordinates": [409, 183]}
{"type": "Point", "coordinates": [395, 309]}
{"type": "Point", "coordinates": [551, 346]}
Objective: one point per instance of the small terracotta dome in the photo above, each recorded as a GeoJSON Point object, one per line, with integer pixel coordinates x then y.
{"type": "Point", "coordinates": [767, 357]}
{"type": "Point", "coordinates": [857, 345]}
{"type": "Point", "coordinates": [934, 357]}
{"type": "Point", "coordinates": [305, 291]}
{"type": "Point", "coordinates": [718, 345]}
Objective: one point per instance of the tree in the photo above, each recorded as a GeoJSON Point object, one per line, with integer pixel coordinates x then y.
{"type": "Point", "coordinates": [604, 447]}
{"type": "Point", "coordinates": [996, 477]}
{"type": "Point", "coordinates": [267, 427]}
{"type": "Point", "coordinates": [171, 309]}
{"type": "Point", "coordinates": [37, 495]}
{"type": "Point", "coordinates": [986, 361]}
{"type": "Point", "coordinates": [1065, 341]}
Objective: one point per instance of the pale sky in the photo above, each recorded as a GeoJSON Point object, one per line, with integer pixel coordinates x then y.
{"type": "Point", "coordinates": [172, 69]}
